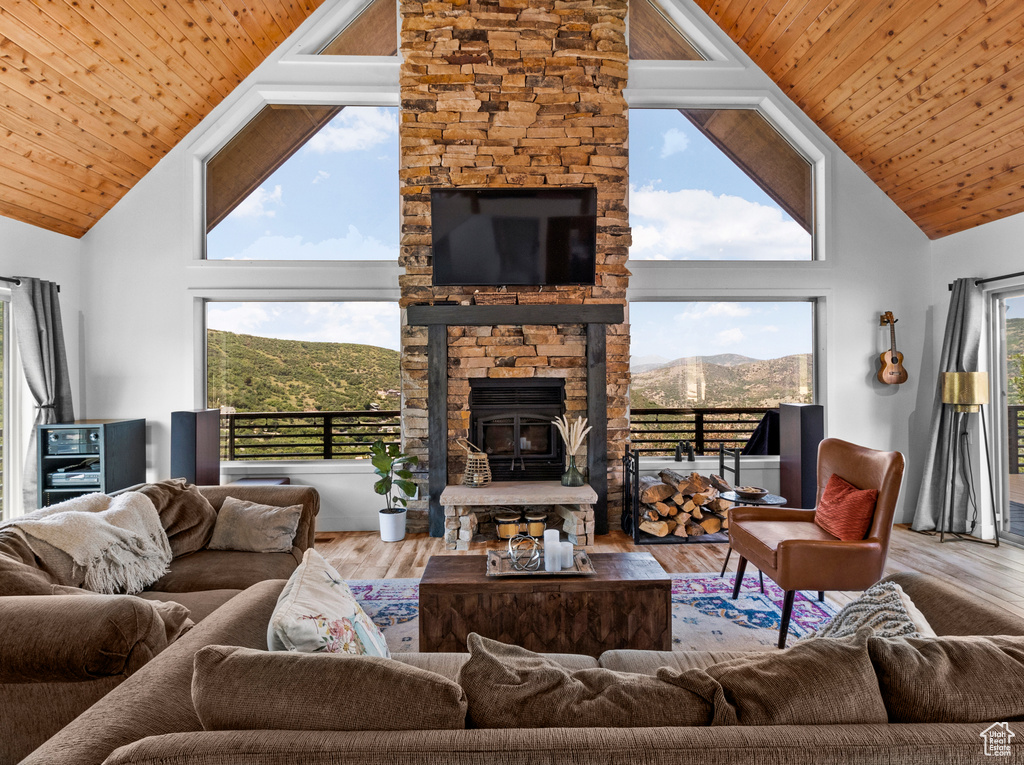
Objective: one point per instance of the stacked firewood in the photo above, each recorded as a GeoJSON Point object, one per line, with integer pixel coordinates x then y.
{"type": "Point", "coordinates": [684, 505]}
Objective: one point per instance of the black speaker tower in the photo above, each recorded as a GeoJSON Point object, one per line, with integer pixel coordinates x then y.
{"type": "Point", "coordinates": [801, 429]}
{"type": "Point", "coordinates": [195, 446]}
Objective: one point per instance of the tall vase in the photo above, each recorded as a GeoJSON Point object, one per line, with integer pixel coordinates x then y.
{"type": "Point", "coordinates": [572, 476]}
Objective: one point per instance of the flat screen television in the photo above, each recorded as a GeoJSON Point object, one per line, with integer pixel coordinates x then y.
{"type": "Point", "coordinates": [494, 237]}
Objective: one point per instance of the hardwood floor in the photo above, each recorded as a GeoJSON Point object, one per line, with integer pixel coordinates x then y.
{"type": "Point", "coordinates": [996, 575]}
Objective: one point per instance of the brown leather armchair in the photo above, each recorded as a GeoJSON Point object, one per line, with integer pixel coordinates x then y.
{"type": "Point", "coordinates": [787, 546]}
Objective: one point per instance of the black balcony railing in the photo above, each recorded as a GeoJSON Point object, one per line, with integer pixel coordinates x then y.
{"type": "Point", "coordinates": [306, 435]}
{"type": "Point", "coordinates": [1015, 431]}
{"type": "Point", "coordinates": [348, 435]}
{"type": "Point", "coordinates": [658, 431]}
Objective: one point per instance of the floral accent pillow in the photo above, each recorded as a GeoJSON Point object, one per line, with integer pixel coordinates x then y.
{"type": "Point", "coordinates": [317, 612]}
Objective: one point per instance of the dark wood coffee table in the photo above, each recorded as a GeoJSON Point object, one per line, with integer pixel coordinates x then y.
{"type": "Point", "coordinates": [627, 604]}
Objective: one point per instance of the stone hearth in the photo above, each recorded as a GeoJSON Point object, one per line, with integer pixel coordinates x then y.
{"type": "Point", "coordinates": [572, 506]}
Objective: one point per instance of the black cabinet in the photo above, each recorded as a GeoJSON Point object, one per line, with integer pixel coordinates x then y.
{"type": "Point", "coordinates": [88, 456]}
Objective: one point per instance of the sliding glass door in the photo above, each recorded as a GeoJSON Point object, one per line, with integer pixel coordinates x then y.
{"type": "Point", "coordinates": [1009, 354]}
{"type": "Point", "coordinates": [4, 399]}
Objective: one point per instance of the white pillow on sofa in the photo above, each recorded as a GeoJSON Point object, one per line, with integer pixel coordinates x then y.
{"type": "Point", "coordinates": [317, 612]}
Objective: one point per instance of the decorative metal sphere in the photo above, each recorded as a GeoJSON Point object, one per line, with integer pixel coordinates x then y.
{"type": "Point", "coordinates": [524, 553]}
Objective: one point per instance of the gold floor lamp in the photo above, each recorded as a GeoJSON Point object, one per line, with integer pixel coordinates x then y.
{"type": "Point", "coordinates": [967, 393]}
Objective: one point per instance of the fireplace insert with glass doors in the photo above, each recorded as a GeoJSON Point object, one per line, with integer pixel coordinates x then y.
{"type": "Point", "coordinates": [511, 420]}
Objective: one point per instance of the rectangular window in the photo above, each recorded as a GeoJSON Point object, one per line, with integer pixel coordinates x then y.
{"type": "Point", "coordinates": [717, 184]}
{"type": "Point", "coordinates": [303, 381]}
{"type": "Point", "coordinates": [706, 372]}
{"type": "Point", "coordinates": [306, 183]}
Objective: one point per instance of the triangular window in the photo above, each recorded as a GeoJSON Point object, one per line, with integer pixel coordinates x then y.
{"type": "Point", "coordinates": [717, 184]}
{"type": "Point", "coordinates": [306, 182]}
{"type": "Point", "coordinates": [653, 36]}
{"type": "Point", "coordinates": [374, 32]}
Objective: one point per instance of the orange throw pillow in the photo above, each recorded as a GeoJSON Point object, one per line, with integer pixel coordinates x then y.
{"type": "Point", "coordinates": [846, 511]}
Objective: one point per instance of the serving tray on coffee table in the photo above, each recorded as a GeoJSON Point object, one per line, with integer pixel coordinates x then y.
{"type": "Point", "coordinates": [500, 564]}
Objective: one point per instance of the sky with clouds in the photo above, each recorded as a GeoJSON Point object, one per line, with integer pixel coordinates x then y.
{"type": "Point", "coordinates": [688, 201]}
{"type": "Point", "coordinates": [1015, 308]}
{"type": "Point", "coordinates": [337, 199]}
{"type": "Point", "coordinates": [760, 330]}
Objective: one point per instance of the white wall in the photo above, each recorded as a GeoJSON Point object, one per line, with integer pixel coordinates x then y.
{"type": "Point", "coordinates": [143, 277]}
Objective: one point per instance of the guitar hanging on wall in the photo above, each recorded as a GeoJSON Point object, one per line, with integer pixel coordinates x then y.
{"type": "Point", "coordinates": [891, 371]}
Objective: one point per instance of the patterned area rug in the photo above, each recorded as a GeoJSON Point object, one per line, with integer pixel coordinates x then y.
{"type": "Point", "coordinates": [704, 615]}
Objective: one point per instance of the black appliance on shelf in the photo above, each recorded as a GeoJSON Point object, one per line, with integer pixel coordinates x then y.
{"type": "Point", "coordinates": [88, 456]}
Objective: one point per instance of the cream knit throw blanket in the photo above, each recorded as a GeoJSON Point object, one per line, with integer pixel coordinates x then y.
{"type": "Point", "coordinates": [119, 541]}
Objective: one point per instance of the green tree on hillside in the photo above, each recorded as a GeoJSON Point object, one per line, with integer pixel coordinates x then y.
{"type": "Point", "coordinates": [249, 374]}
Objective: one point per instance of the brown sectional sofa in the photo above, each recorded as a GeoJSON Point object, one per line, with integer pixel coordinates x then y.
{"type": "Point", "coordinates": [61, 653]}
{"type": "Point", "coordinates": [150, 718]}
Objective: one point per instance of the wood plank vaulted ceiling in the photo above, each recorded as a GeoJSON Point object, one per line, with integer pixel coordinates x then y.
{"type": "Point", "coordinates": [921, 94]}
{"type": "Point", "coordinates": [93, 94]}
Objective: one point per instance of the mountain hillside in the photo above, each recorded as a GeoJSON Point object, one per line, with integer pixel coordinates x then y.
{"type": "Point", "coordinates": [1014, 361]}
{"type": "Point", "coordinates": [725, 380]}
{"type": "Point", "coordinates": [261, 374]}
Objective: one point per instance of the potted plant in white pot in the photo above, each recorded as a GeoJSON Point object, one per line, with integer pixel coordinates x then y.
{"type": "Point", "coordinates": [391, 465]}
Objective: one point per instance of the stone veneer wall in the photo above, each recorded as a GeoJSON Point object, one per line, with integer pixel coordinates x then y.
{"type": "Point", "coordinates": [513, 93]}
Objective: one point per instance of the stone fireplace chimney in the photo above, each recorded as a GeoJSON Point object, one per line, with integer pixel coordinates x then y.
{"type": "Point", "coordinates": [523, 93]}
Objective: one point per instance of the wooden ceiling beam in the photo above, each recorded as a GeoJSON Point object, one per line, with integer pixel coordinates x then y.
{"type": "Point", "coordinates": [52, 164]}
{"type": "Point", "coordinates": [81, 199]}
{"type": "Point", "coordinates": [963, 186]}
{"type": "Point", "coordinates": [91, 97]}
{"type": "Point", "coordinates": [264, 10]}
{"type": "Point", "coordinates": [951, 145]}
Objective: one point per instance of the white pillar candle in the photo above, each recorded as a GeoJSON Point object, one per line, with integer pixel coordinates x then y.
{"type": "Point", "coordinates": [568, 552]}
{"type": "Point", "coordinates": [552, 551]}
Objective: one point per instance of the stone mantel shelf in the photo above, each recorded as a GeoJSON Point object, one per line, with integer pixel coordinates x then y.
{"type": "Point", "coordinates": [518, 493]}
{"type": "Point", "coordinates": [497, 315]}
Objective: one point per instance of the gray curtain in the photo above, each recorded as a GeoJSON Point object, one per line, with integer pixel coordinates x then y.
{"type": "Point", "coordinates": [41, 345]}
{"type": "Point", "coordinates": [960, 345]}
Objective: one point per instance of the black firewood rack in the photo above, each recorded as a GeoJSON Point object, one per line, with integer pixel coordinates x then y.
{"type": "Point", "coordinates": [631, 510]}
